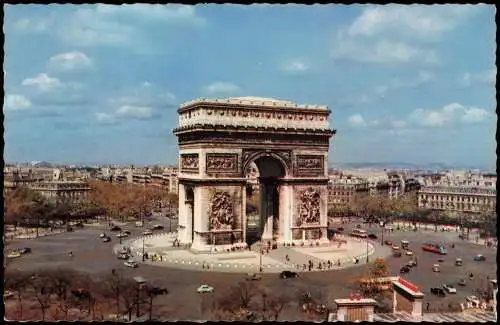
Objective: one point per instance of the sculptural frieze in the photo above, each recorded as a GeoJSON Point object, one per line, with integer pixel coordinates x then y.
{"type": "Point", "coordinates": [189, 162]}
{"type": "Point", "coordinates": [222, 163]}
{"type": "Point", "coordinates": [309, 207]}
{"type": "Point", "coordinates": [221, 215]}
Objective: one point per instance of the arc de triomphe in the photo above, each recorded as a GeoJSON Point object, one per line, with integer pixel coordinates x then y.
{"type": "Point", "coordinates": [219, 139]}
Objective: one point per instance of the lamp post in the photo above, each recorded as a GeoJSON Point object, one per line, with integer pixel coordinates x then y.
{"type": "Point", "coordinates": [367, 259]}
{"type": "Point", "coordinates": [143, 258]}
{"type": "Point", "coordinates": [260, 256]}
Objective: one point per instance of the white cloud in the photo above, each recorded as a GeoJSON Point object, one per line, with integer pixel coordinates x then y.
{"type": "Point", "coordinates": [296, 66]}
{"type": "Point", "coordinates": [33, 26]}
{"type": "Point", "coordinates": [396, 83]}
{"type": "Point", "coordinates": [484, 77]}
{"type": "Point", "coordinates": [17, 102]}
{"type": "Point", "coordinates": [412, 21]}
{"type": "Point", "coordinates": [146, 84]}
{"type": "Point", "coordinates": [105, 118]}
{"type": "Point", "coordinates": [398, 124]}
{"type": "Point", "coordinates": [448, 114]}
{"type": "Point", "coordinates": [357, 120]}
{"type": "Point", "coordinates": [135, 112]}
{"type": "Point", "coordinates": [222, 88]}
{"type": "Point", "coordinates": [43, 82]}
{"type": "Point", "coordinates": [382, 51]}
{"type": "Point", "coordinates": [70, 61]}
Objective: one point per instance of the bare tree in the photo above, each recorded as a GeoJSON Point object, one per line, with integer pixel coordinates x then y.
{"type": "Point", "coordinates": [18, 283]}
{"type": "Point", "coordinates": [41, 291]}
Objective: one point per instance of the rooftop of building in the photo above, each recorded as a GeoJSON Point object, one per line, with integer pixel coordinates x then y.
{"type": "Point", "coordinates": [254, 100]}
{"type": "Point", "coordinates": [469, 316]}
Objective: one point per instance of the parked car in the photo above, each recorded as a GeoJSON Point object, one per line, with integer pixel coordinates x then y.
{"type": "Point", "coordinates": [479, 258]}
{"type": "Point", "coordinates": [438, 292]}
{"type": "Point", "coordinates": [253, 277]}
{"type": "Point", "coordinates": [205, 288]}
{"type": "Point", "coordinates": [115, 228]}
{"type": "Point", "coordinates": [157, 227]}
{"type": "Point", "coordinates": [462, 283]}
{"type": "Point", "coordinates": [8, 294]}
{"type": "Point", "coordinates": [449, 288]}
{"type": "Point", "coordinates": [404, 270]}
{"type": "Point", "coordinates": [106, 239]}
{"type": "Point", "coordinates": [14, 254]}
{"type": "Point", "coordinates": [147, 232]}
{"type": "Point", "coordinates": [25, 250]}
{"type": "Point", "coordinates": [288, 274]}
{"type": "Point", "coordinates": [372, 236]}
{"type": "Point", "coordinates": [131, 263]}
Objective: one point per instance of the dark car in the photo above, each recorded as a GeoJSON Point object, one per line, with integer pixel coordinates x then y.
{"type": "Point", "coordinates": [25, 250]}
{"type": "Point", "coordinates": [115, 228]}
{"type": "Point", "coordinates": [397, 254]}
{"type": "Point", "coordinates": [106, 239]}
{"type": "Point", "coordinates": [126, 232]}
{"type": "Point", "coordinates": [462, 283]}
{"type": "Point", "coordinates": [69, 229]}
{"type": "Point", "coordinates": [288, 274]}
{"type": "Point", "coordinates": [438, 292]}
{"type": "Point", "coordinates": [372, 236]}
{"type": "Point", "coordinates": [158, 291]}
{"type": "Point", "coordinates": [388, 242]}
{"type": "Point", "coordinates": [340, 229]}
{"type": "Point", "coordinates": [479, 258]}
{"type": "Point", "coordinates": [157, 227]}
{"type": "Point", "coordinates": [405, 269]}
{"type": "Point", "coordinates": [358, 226]}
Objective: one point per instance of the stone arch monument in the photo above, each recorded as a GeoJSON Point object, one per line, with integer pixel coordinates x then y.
{"type": "Point", "coordinates": [219, 139]}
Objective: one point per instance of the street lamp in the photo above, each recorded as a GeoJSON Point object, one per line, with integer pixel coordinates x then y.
{"type": "Point", "coordinates": [367, 252]}
{"type": "Point", "coordinates": [143, 258]}
{"type": "Point", "coordinates": [260, 256]}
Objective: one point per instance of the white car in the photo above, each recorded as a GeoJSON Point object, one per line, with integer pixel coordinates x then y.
{"type": "Point", "coordinates": [205, 288]}
{"type": "Point", "coordinates": [102, 235]}
{"type": "Point", "coordinates": [409, 253]}
{"type": "Point", "coordinates": [131, 263]}
{"type": "Point", "coordinates": [449, 288]}
{"type": "Point", "coordinates": [147, 232]}
{"type": "Point", "coordinates": [121, 235]}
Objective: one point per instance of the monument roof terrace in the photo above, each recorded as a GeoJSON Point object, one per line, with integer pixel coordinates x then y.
{"type": "Point", "coordinates": [253, 112]}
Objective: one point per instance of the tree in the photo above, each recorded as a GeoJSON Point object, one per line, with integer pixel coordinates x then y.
{"type": "Point", "coordinates": [18, 283]}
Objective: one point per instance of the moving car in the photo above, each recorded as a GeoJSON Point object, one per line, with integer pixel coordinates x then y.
{"type": "Point", "coordinates": [479, 258]}
{"type": "Point", "coordinates": [158, 291]}
{"type": "Point", "coordinates": [253, 277]}
{"type": "Point", "coordinates": [340, 229]}
{"type": "Point", "coordinates": [462, 283]}
{"type": "Point", "coordinates": [395, 247]}
{"type": "Point", "coordinates": [372, 236]}
{"type": "Point", "coordinates": [405, 269]}
{"type": "Point", "coordinates": [412, 263]}
{"type": "Point", "coordinates": [126, 232]}
{"type": "Point", "coordinates": [435, 268]}
{"type": "Point", "coordinates": [288, 274]}
{"type": "Point", "coordinates": [458, 262]}
{"type": "Point", "coordinates": [121, 235]}
{"type": "Point", "coordinates": [405, 244]}
{"type": "Point", "coordinates": [131, 263]}
{"type": "Point", "coordinates": [106, 239]}
{"type": "Point", "coordinates": [205, 288]}
{"type": "Point", "coordinates": [123, 256]}
{"type": "Point", "coordinates": [157, 227]}
{"type": "Point", "coordinates": [409, 253]}
{"type": "Point", "coordinates": [25, 250]}
{"type": "Point", "coordinates": [14, 254]}
{"type": "Point", "coordinates": [147, 232]}
{"type": "Point", "coordinates": [449, 288]}
{"type": "Point", "coordinates": [397, 254]}
{"type": "Point", "coordinates": [115, 228]}
{"type": "Point", "coordinates": [102, 235]}
{"type": "Point", "coordinates": [388, 242]}
{"type": "Point", "coordinates": [438, 292]}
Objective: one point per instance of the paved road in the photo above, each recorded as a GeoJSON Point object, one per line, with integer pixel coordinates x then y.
{"type": "Point", "coordinates": [94, 256]}
{"type": "Point", "coordinates": [423, 276]}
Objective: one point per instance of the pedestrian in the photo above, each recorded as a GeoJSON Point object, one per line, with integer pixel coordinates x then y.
{"type": "Point", "coordinates": [203, 265]}
{"type": "Point", "coordinates": [427, 306]}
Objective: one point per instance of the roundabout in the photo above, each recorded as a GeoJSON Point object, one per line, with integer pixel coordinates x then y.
{"type": "Point", "coordinates": [160, 250]}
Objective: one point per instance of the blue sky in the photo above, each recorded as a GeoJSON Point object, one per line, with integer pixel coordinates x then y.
{"type": "Point", "coordinates": [101, 83]}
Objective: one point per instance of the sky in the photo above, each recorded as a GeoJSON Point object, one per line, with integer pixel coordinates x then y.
{"type": "Point", "coordinates": [102, 83]}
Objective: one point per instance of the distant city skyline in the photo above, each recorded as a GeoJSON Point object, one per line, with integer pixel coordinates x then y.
{"type": "Point", "coordinates": [101, 83]}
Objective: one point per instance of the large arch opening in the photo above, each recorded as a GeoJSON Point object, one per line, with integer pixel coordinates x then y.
{"type": "Point", "coordinates": [262, 191]}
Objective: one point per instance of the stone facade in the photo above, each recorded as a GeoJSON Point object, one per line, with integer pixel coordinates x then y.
{"type": "Point", "coordinates": [219, 140]}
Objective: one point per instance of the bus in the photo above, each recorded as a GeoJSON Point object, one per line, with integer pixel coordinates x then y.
{"type": "Point", "coordinates": [359, 233]}
{"type": "Point", "coordinates": [434, 248]}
